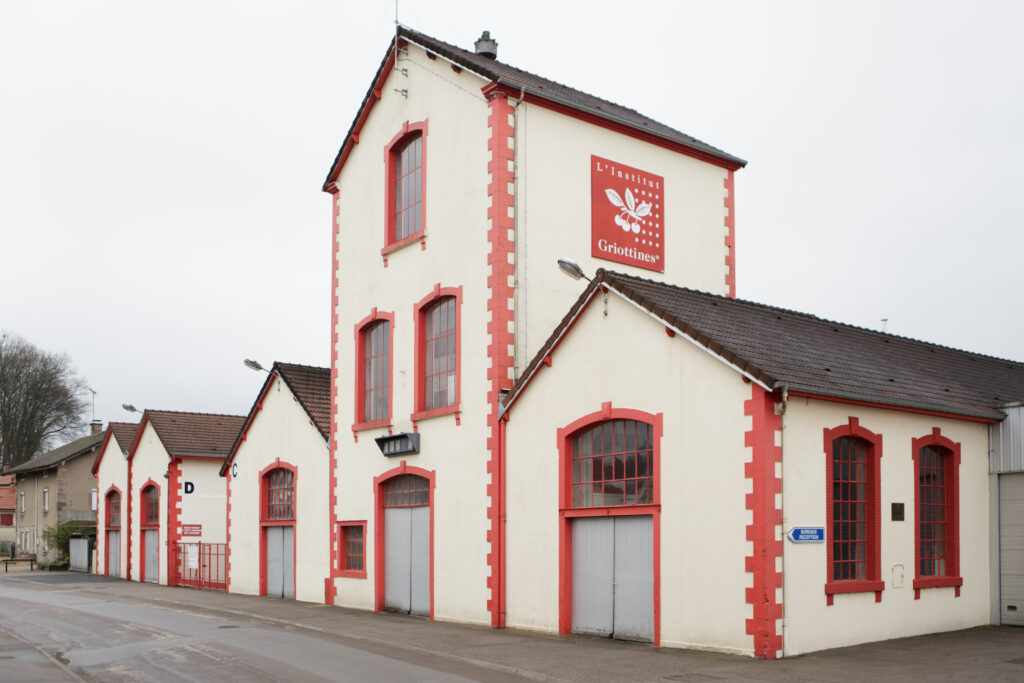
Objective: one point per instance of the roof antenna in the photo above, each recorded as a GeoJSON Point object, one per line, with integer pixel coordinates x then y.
{"type": "Point", "coordinates": [885, 324]}
{"type": "Point", "coordinates": [396, 13]}
{"type": "Point", "coordinates": [93, 392]}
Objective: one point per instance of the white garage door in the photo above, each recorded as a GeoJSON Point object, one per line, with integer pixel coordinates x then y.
{"type": "Point", "coordinates": [613, 577]}
{"type": "Point", "coordinates": [1011, 549]}
{"type": "Point", "coordinates": [280, 561]}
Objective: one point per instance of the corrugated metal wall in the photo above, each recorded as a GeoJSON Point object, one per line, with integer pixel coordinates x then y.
{"type": "Point", "coordinates": [1007, 442]}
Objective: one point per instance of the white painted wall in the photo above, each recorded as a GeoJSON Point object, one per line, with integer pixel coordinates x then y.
{"type": "Point", "coordinates": [281, 430]}
{"type": "Point", "coordinates": [857, 618]}
{"type": "Point", "coordinates": [113, 471]}
{"type": "Point", "coordinates": [628, 359]}
{"type": "Point", "coordinates": [207, 504]}
{"type": "Point", "coordinates": [553, 206]}
{"type": "Point", "coordinates": [456, 250]}
{"type": "Point", "coordinates": [149, 462]}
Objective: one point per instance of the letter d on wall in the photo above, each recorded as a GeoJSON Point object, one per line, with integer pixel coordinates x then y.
{"type": "Point", "coordinates": [189, 487]}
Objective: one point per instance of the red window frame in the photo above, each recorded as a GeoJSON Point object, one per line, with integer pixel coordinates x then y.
{"type": "Point", "coordinates": [6, 519]}
{"type": "Point", "coordinates": [278, 499]}
{"type": "Point", "coordinates": [267, 519]}
{"type": "Point", "coordinates": [392, 177]}
{"type": "Point", "coordinates": [949, 505]}
{"type": "Point", "coordinates": [112, 511]}
{"type": "Point", "coordinates": [352, 549]}
{"type": "Point", "coordinates": [363, 328]}
{"type": "Point", "coordinates": [612, 464]}
{"type": "Point", "coordinates": [420, 311]}
{"type": "Point", "coordinates": [872, 444]}
{"type": "Point", "coordinates": [150, 506]}
{"type": "Point", "coordinates": [567, 512]}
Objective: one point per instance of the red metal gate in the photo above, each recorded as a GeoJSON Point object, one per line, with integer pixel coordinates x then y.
{"type": "Point", "coordinates": [201, 565]}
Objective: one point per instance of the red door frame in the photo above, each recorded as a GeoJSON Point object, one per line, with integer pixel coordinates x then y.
{"type": "Point", "coordinates": [107, 529]}
{"type": "Point", "coordinates": [264, 477]}
{"type": "Point", "coordinates": [378, 529]}
{"type": "Point", "coordinates": [148, 526]}
{"type": "Point", "coordinates": [566, 513]}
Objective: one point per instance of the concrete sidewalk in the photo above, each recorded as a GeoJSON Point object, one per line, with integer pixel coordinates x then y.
{"type": "Point", "coordinates": [985, 653]}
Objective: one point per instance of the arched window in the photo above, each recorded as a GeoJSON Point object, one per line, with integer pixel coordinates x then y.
{"type": "Point", "coordinates": [437, 353]}
{"type": "Point", "coordinates": [612, 464]}
{"type": "Point", "coordinates": [280, 495]}
{"type": "Point", "coordinates": [151, 506]}
{"type": "Point", "coordinates": [113, 510]}
{"type": "Point", "coordinates": [406, 491]}
{"type": "Point", "coordinates": [853, 511]}
{"type": "Point", "coordinates": [936, 513]}
{"type": "Point", "coordinates": [405, 160]}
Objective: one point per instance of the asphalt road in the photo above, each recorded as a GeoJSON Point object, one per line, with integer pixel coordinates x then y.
{"type": "Point", "coordinates": [73, 627]}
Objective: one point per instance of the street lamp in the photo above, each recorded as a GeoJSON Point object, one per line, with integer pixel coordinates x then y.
{"type": "Point", "coordinates": [254, 365]}
{"type": "Point", "coordinates": [572, 269]}
{"type": "Point", "coordinates": [130, 408]}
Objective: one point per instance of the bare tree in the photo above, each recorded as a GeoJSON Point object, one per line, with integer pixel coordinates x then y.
{"type": "Point", "coordinates": [41, 400]}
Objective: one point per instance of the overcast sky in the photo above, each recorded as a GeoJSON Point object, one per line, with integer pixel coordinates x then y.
{"type": "Point", "coordinates": [161, 216]}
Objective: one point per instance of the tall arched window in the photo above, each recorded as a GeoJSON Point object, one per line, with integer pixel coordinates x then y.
{"type": "Point", "coordinates": [151, 506]}
{"type": "Point", "coordinates": [113, 520]}
{"type": "Point", "coordinates": [405, 161]}
{"type": "Point", "coordinates": [437, 353]}
{"type": "Point", "coordinates": [853, 511]}
{"type": "Point", "coordinates": [280, 495]}
{"type": "Point", "coordinates": [936, 513]}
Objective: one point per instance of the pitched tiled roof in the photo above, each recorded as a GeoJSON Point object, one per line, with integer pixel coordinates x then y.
{"type": "Point", "coordinates": [68, 451]}
{"type": "Point", "coordinates": [125, 433]}
{"type": "Point", "coordinates": [801, 352]}
{"type": "Point", "coordinates": [312, 386]}
{"type": "Point", "coordinates": [195, 434]}
{"type": "Point", "coordinates": [8, 494]}
{"type": "Point", "coordinates": [531, 84]}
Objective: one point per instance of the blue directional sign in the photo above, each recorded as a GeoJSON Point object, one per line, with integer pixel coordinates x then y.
{"type": "Point", "coordinates": [807, 534]}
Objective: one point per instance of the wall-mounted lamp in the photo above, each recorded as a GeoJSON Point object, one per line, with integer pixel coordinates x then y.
{"type": "Point", "coordinates": [572, 269]}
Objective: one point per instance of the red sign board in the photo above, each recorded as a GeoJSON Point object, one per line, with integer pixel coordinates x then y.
{"type": "Point", "coordinates": [191, 529]}
{"type": "Point", "coordinates": [627, 215]}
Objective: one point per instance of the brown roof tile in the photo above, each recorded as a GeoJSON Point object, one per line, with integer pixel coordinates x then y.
{"type": "Point", "coordinates": [8, 494]}
{"type": "Point", "coordinates": [77, 448]}
{"type": "Point", "coordinates": [802, 352]}
{"type": "Point", "coordinates": [125, 433]}
{"type": "Point", "coordinates": [6, 479]}
{"type": "Point", "coordinates": [312, 386]}
{"type": "Point", "coordinates": [195, 434]}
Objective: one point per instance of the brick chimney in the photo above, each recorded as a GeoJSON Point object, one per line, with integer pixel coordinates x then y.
{"type": "Point", "coordinates": [95, 427]}
{"type": "Point", "coordinates": [486, 46]}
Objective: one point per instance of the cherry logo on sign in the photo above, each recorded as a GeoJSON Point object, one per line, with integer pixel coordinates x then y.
{"type": "Point", "coordinates": [627, 215]}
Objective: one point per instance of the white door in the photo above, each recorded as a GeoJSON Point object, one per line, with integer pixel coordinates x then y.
{"type": "Point", "coordinates": [280, 561]}
{"type": "Point", "coordinates": [151, 540]}
{"type": "Point", "coordinates": [1011, 549]}
{"type": "Point", "coordinates": [114, 553]}
{"type": "Point", "coordinates": [407, 559]}
{"type": "Point", "coordinates": [613, 577]}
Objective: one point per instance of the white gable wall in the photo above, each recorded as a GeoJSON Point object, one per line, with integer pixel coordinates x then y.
{"type": "Point", "coordinates": [149, 462]}
{"type": "Point", "coordinates": [206, 505]}
{"type": "Point", "coordinates": [281, 429]}
{"type": "Point", "coordinates": [113, 471]}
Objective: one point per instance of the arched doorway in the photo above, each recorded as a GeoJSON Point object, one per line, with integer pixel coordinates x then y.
{"type": "Point", "coordinates": [277, 519]}
{"type": "Point", "coordinates": [405, 521]}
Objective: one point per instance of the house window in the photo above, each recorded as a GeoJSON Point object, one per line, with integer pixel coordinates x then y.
{"type": "Point", "coordinates": [406, 185]}
{"type": "Point", "coordinates": [151, 506]}
{"type": "Point", "coordinates": [612, 464]}
{"type": "Point", "coordinates": [352, 549]}
{"type": "Point", "coordinates": [406, 491]}
{"type": "Point", "coordinates": [22, 495]}
{"type": "Point", "coordinates": [114, 510]}
{"type": "Point", "coordinates": [6, 519]}
{"type": "Point", "coordinates": [936, 513]}
{"type": "Point", "coordinates": [94, 499]}
{"type": "Point", "coordinates": [280, 485]}
{"type": "Point", "coordinates": [853, 511]}
{"type": "Point", "coordinates": [46, 501]}
{"type": "Point", "coordinates": [374, 336]}
{"type": "Point", "coordinates": [437, 352]}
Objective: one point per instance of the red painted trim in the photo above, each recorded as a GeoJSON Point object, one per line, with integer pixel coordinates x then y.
{"type": "Point", "coordinates": [147, 526]}
{"type": "Point", "coordinates": [378, 530]}
{"type": "Point", "coordinates": [889, 406]}
{"type": "Point", "coordinates": [360, 373]}
{"type": "Point", "coordinates": [730, 233]}
{"type": "Point", "coordinates": [766, 516]}
{"type": "Point", "coordinates": [330, 588]}
{"type": "Point", "coordinates": [408, 131]}
{"type": "Point", "coordinates": [500, 338]}
{"type": "Point", "coordinates": [105, 527]}
{"type": "Point", "coordinates": [873, 442]}
{"type": "Point", "coordinates": [351, 573]}
{"type": "Point", "coordinates": [264, 522]}
{"type": "Point", "coordinates": [357, 127]}
{"type": "Point", "coordinates": [103, 449]}
{"type": "Point", "coordinates": [227, 539]}
{"type": "Point", "coordinates": [608, 124]}
{"type": "Point", "coordinates": [952, 577]}
{"type": "Point", "coordinates": [439, 292]}
{"type": "Point", "coordinates": [173, 519]}
{"type": "Point", "coordinates": [566, 512]}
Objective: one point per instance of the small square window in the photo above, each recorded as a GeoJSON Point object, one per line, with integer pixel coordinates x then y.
{"type": "Point", "coordinates": [352, 549]}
